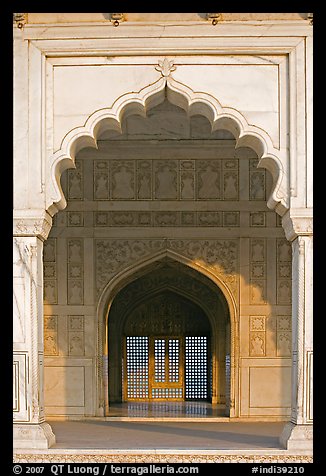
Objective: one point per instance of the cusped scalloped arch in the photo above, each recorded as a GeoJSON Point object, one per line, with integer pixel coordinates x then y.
{"type": "Point", "coordinates": [193, 103]}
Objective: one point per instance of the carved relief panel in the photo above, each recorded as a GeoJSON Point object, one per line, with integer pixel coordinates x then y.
{"type": "Point", "coordinates": [284, 271]}
{"type": "Point", "coordinates": [284, 339]}
{"type": "Point", "coordinates": [257, 181]}
{"type": "Point", "coordinates": [50, 272]}
{"type": "Point", "coordinates": [76, 335]}
{"type": "Point", "coordinates": [221, 256]}
{"type": "Point", "coordinates": [51, 335]}
{"type": "Point", "coordinates": [257, 336]}
{"type": "Point", "coordinates": [76, 182]}
{"type": "Point", "coordinates": [75, 271]}
{"type": "Point", "coordinates": [158, 179]}
{"type": "Point", "coordinates": [166, 179]}
{"type": "Point", "coordinates": [258, 271]}
{"type": "Point", "coordinates": [123, 179]}
{"type": "Point", "coordinates": [101, 179]}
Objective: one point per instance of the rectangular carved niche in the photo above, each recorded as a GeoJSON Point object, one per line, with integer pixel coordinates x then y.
{"type": "Point", "coordinates": [284, 271]}
{"type": "Point", "coordinates": [257, 181]}
{"type": "Point", "coordinates": [76, 335]}
{"type": "Point", "coordinates": [284, 339]}
{"type": "Point", "coordinates": [75, 271]}
{"type": "Point", "coordinates": [258, 271]}
{"type": "Point", "coordinates": [51, 335]}
{"type": "Point", "coordinates": [257, 336]}
{"type": "Point", "coordinates": [76, 182]}
{"type": "Point", "coordinates": [50, 272]}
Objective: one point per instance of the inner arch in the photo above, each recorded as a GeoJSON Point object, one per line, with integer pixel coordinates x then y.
{"type": "Point", "coordinates": [169, 304]}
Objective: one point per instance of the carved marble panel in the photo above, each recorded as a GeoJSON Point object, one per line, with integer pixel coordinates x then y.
{"type": "Point", "coordinates": [284, 292]}
{"type": "Point", "coordinates": [75, 291]}
{"type": "Point", "coordinates": [258, 250]}
{"type": "Point", "coordinates": [283, 323]}
{"type": "Point", "coordinates": [257, 323]}
{"type": "Point", "coordinates": [122, 218]}
{"type": "Point", "coordinates": [76, 323]}
{"type": "Point", "coordinates": [167, 218]}
{"type": "Point", "coordinates": [284, 344]}
{"type": "Point", "coordinates": [284, 271]}
{"type": "Point", "coordinates": [101, 218]}
{"type": "Point", "coordinates": [230, 185]}
{"type": "Point", "coordinates": [257, 181]}
{"type": "Point", "coordinates": [257, 344]}
{"type": "Point", "coordinates": [209, 218]}
{"type": "Point", "coordinates": [166, 179]}
{"type": "Point", "coordinates": [50, 291]}
{"type": "Point", "coordinates": [144, 179]}
{"type": "Point", "coordinates": [51, 335]}
{"type": "Point", "coordinates": [188, 218]}
{"type": "Point", "coordinates": [187, 185]}
{"type": "Point", "coordinates": [75, 271]}
{"type": "Point", "coordinates": [75, 219]}
{"type": "Point", "coordinates": [76, 182]}
{"type": "Point", "coordinates": [122, 179]}
{"type": "Point", "coordinates": [208, 175]}
{"type": "Point", "coordinates": [257, 292]}
{"type": "Point", "coordinates": [101, 179]}
{"type": "Point", "coordinates": [231, 218]}
{"type": "Point", "coordinates": [49, 270]}
{"type": "Point", "coordinates": [170, 218]}
{"type": "Point", "coordinates": [257, 267]}
{"type": "Point", "coordinates": [257, 219]}
{"type": "Point", "coordinates": [144, 219]}
{"type": "Point", "coordinates": [221, 256]}
{"type": "Point", "coordinates": [49, 250]}
{"type": "Point", "coordinates": [76, 343]}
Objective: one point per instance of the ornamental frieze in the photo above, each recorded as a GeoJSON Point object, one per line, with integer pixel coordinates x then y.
{"type": "Point", "coordinates": [219, 256]}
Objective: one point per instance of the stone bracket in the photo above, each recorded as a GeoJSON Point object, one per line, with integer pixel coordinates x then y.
{"type": "Point", "coordinates": [298, 222]}
{"type": "Point", "coordinates": [32, 223]}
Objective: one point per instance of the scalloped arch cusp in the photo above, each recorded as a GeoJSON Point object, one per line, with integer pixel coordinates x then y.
{"type": "Point", "coordinates": [193, 103]}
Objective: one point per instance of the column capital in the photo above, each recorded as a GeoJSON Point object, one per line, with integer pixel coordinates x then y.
{"type": "Point", "coordinates": [32, 223]}
{"type": "Point", "coordinates": [298, 222]}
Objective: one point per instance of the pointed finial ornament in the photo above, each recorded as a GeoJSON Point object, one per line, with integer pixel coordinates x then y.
{"type": "Point", "coordinates": [165, 67]}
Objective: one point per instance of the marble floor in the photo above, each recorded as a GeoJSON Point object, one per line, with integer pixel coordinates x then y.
{"type": "Point", "coordinates": [109, 435]}
{"type": "Point", "coordinates": [165, 410]}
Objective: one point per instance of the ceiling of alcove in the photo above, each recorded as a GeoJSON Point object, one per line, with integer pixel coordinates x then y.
{"type": "Point", "coordinates": [172, 275]}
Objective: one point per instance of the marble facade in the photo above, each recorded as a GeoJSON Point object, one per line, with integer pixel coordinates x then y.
{"type": "Point", "coordinates": [167, 158]}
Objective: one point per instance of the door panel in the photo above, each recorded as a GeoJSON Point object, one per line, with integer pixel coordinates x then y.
{"type": "Point", "coordinates": [166, 368]}
{"type": "Point", "coordinates": [170, 368]}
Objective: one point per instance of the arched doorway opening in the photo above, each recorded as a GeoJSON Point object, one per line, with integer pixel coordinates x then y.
{"type": "Point", "coordinates": [169, 339]}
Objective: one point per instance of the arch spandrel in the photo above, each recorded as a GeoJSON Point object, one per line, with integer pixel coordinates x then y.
{"type": "Point", "coordinates": [193, 103]}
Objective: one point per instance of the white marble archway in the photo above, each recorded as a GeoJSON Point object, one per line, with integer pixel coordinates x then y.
{"type": "Point", "coordinates": [192, 102]}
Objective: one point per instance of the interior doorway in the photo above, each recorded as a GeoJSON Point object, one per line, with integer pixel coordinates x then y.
{"type": "Point", "coordinates": [169, 341]}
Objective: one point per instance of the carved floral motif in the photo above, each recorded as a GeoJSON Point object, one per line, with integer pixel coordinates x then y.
{"type": "Point", "coordinates": [221, 256]}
